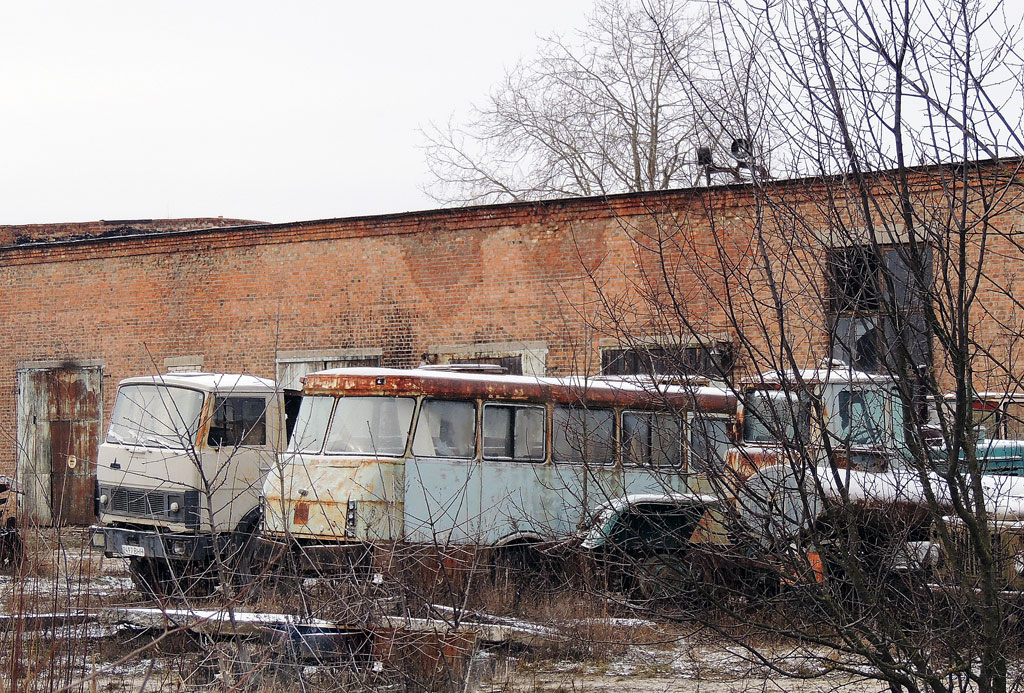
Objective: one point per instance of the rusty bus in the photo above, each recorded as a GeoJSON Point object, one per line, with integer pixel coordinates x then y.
{"type": "Point", "coordinates": [180, 472]}
{"type": "Point", "coordinates": [382, 456]}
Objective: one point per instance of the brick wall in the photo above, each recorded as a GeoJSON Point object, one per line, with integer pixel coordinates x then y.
{"type": "Point", "coordinates": [397, 284]}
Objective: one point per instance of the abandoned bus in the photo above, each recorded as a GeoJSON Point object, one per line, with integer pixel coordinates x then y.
{"type": "Point", "coordinates": [428, 456]}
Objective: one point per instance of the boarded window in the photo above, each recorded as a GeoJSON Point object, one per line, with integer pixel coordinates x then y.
{"type": "Point", "coordinates": [238, 421]}
{"type": "Point", "coordinates": [512, 365]}
{"type": "Point", "coordinates": [513, 432]}
{"type": "Point", "coordinates": [710, 361]}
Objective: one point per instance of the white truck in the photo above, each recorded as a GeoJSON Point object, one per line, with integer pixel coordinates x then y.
{"type": "Point", "coordinates": [179, 476]}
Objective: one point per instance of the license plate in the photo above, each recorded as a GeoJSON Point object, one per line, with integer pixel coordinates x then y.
{"type": "Point", "coordinates": [129, 550]}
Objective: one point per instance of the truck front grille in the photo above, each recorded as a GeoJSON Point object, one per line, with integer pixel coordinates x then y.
{"type": "Point", "coordinates": [136, 502]}
{"type": "Point", "coordinates": [152, 504]}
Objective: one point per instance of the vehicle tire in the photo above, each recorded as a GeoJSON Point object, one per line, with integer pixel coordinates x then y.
{"type": "Point", "coordinates": [148, 577]}
{"type": "Point", "coordinates": [162, 580]}
{"type": "Point", "coordinates": [659, 578]}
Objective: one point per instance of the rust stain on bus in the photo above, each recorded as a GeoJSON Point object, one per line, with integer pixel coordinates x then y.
{"type": "Point", "coordinates": [331, 483]}
{"type": "Point", "coordinates": [560, 391]}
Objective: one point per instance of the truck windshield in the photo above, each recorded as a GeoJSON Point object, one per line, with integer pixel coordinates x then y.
{"type": "Point", "coordinates": [155, 416]}
{"type": "Point", "coordinates": [862, 417]}
{"type": "Point", "coordinates": [774, 416]}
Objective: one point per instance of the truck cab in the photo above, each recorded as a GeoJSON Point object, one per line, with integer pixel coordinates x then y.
{"type": "Point", "coordinates": [180, 472]}
{"type": "Point", "coordinates": [832, 415]}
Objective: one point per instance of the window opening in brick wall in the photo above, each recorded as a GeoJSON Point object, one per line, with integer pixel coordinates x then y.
{"type": "Point", "coordinates": [876, 307]}
{"type": "Point", "coordinates": [291, 369]}
{"type": "Point", "coordinates": [513, 365]}
{"type": "Point", "coordinates": [713, 361]}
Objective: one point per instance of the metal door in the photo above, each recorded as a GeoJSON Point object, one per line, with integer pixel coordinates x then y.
{"type": "Point", "coordinates": [59, 412]}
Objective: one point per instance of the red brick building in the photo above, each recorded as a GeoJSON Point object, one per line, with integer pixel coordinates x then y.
{"type": "Point", "coordinates": [549, 287]}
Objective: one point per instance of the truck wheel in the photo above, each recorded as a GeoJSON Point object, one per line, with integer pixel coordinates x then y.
{"type": "Point", "coordinates": [161, 580]}
{"type": "Point", "coordinates": [149, 578]}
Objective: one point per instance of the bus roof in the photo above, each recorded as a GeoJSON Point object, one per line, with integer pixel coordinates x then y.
{"type": "Point", "coordinates": [223, 383]}
{"type": "Point", "coordinates": [570, 390]}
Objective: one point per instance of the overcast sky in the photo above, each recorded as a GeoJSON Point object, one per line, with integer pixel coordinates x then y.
{"type": "Point", "coordinates": [257, 110]}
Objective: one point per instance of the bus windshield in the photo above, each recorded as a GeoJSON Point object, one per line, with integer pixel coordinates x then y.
{"type": "Point", "coordinates": [370, 426]}
{"type": "Point", "coordinates": [155, 415]}
{"type": "Point", "coordinates": [311, 424]}
{"type": "Point", "coordinates": [862, 417]}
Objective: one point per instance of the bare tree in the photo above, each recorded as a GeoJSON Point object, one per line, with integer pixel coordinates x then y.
{"type": "Point", "coordinates": [849, 508]}
{"type": "Point", "coordinates": [606, 112]}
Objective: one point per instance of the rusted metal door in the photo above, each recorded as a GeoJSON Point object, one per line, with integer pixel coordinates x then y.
{"type": "Point", "coordinates": [59, 421]}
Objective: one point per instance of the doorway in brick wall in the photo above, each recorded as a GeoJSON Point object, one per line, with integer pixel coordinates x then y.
{"type": "Point", "coordinates": [59, 420]}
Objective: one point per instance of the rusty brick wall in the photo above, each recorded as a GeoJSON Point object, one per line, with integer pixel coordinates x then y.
{"type": "Point", "coordinates": [399, 283]}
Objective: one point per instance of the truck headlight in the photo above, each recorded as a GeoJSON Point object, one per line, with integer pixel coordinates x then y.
{"type": "Point", "coordinates": [104, 499]}
{"type": "Point", "coordinates": [178, 548]}
{"type": "Point", "coordinates": [175, 507]}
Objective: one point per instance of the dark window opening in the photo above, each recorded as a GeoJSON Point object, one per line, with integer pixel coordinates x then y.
{"type": "Point", "coordinates": [238, 421]}
{"type": "Point", "coordinates": [876, 308]}
{"type": "Point", "coordinates": [711, 361]}
{"type": "Point", "coordinates": [513, 365]}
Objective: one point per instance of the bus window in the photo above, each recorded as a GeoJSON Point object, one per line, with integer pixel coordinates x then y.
{"type": "Point", "coordinates": [311, 424]}
{"type": "Point", "coordinates": [513, 432]}
{"type": "Point", "coordinates": [370, 426]}
{"type": "Point", "coordinates": [583, 435]}
{"type": "Point", "coordinates": [652, 440]}
{"type": "Point", "coordinates": [709, 439]}
{"type": "Point", "coordinates": [445, 429]}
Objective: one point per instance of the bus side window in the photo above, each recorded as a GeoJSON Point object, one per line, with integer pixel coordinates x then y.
{"type": "Point", "coordinates": [651, 439]}
{"type": "Point", "coordinates": [514, 432]}
{"type": "Point", "coordinates": [445, 429]}
{"type": "Point", "coordinates": [582, 435]}
{"type": "Point", "coordinates": [709, 439]}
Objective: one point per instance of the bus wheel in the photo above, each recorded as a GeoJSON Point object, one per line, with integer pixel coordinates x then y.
{"type": "Point", "coordinates": [524, 564]}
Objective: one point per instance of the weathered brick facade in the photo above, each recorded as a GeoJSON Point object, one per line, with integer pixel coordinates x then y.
{"type": "Point", "coordinates": [518, 277]}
